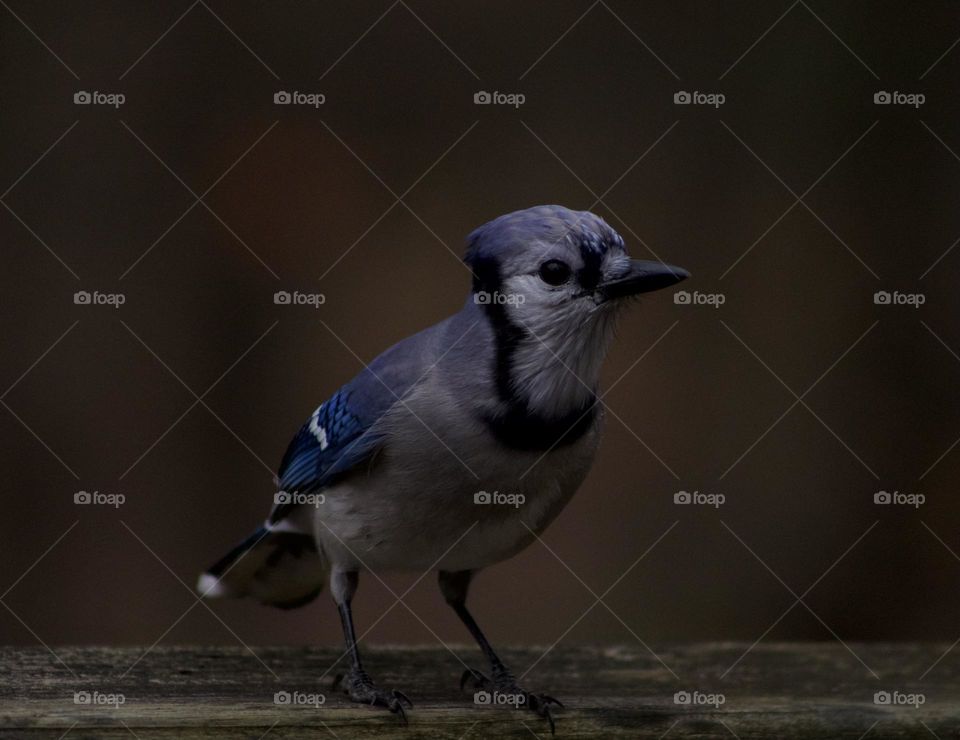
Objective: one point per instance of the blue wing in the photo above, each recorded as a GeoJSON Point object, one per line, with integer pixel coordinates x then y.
{"type": "Point", "coordinates": [334, 440]}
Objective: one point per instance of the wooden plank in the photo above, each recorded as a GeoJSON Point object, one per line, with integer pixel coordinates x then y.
{"type": "Point", "coordinates": [809, 690]}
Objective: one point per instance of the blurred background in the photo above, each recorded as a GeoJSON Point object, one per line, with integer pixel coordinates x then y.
{"type": "Point", "coordinates": [793, 203]}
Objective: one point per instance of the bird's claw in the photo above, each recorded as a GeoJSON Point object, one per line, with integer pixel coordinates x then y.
{"type": "Point", "coordinates": [360, 688]}
{"type": "Point", "coordinates": [505, 684]}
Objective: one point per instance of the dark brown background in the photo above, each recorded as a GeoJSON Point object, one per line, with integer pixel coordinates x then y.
{"type": "Point", "coordinates": [299, 199]}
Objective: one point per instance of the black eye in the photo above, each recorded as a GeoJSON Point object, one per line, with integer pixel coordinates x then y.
{"type": "Point", "coordinates": [554, 272]}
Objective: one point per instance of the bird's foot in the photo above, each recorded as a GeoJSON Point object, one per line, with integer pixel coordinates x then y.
{"type": "Point", "coordinates": [360, 688]}
{"type": "Point", "coordinates": [504, 691]}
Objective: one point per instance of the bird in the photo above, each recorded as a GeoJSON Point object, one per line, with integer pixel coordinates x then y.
{"type": "Point", "coordinates": [456, 447]}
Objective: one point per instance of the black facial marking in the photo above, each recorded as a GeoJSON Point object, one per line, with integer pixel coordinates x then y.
{"type": "Point", "coordinates": [592, 250]}
{"type": "Point", "coordinates": [520, 429]}
{"type": "Point", "coordinates": [517, 427]}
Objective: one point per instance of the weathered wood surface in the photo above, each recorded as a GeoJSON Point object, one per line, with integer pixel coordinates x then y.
{"type": "Point", "coordinates": [779, 690]}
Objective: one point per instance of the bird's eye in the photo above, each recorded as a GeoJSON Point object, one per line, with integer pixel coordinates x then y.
{"type": "Point", "coordinates": [554, 272]}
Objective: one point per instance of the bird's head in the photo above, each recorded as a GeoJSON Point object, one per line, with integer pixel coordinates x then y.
{"type": "Point", "coordinates": [550, 280]}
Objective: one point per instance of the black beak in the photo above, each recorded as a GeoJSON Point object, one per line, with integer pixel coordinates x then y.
{"type": "Point", "coordinates": [644, 276]}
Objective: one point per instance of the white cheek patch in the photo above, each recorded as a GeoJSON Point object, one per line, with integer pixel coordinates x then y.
{"type": "Point", "coordinates": [318, 431]}
{"type": "Point", "coordinates": [616, 266]}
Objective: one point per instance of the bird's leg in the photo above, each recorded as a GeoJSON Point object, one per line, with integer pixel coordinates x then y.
{"type": "Point", "coordinates": [356, 683]}
{"type": "Point", "coordinates": [502, 688]}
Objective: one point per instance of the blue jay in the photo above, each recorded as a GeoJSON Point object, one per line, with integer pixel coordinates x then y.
{"type": "Point", "coordinates": [405, 466]}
